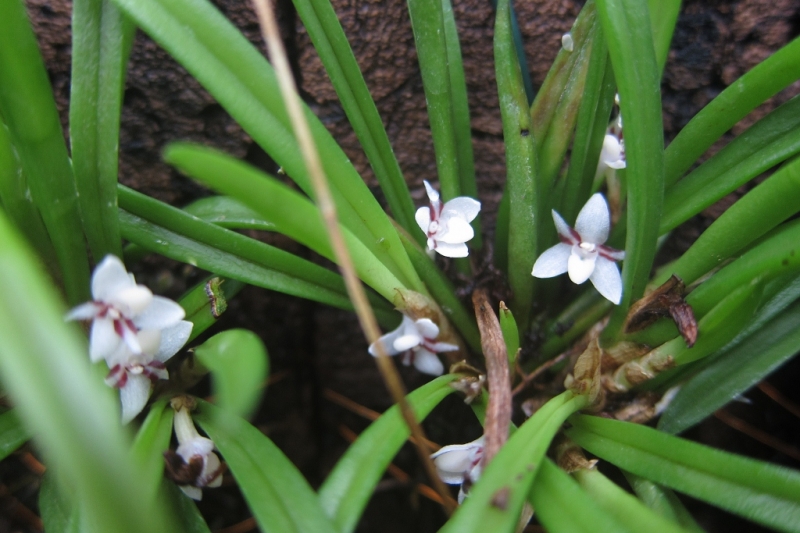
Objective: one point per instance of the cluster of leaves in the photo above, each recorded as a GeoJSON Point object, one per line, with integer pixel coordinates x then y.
{"type": "Point", "coordinates": [742, 272]}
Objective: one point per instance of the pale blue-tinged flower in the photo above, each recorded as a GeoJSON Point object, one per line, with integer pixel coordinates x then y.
{"type": "Point", "coordinates": [192, 447]}
{"type": "Point", "coordinates": [133, 374]}
{"type": "Point", "coordinates": [460, 464]}
{"type": "Point", "coordinates": [447, 226]}
{"type": "Point", "coordinates": [416, 340]}
{"type": "Point", "coordinates": [581, 252]}
{"type": "Point", "coordinates": [120, 309]}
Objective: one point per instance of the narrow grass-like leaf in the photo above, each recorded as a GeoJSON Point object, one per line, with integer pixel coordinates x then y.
{"type": "Point", "coordinates": [12, 434]}
{"type": "Point", "coordinates": [176, 246]}
{"type": "Point", "coordinates": [769, 142]}
{"type": "Point", "coordinates": [280, 499]}
{"type": "Point", "coordinates": [101, 36]}
{"type": "Point", "coordinates": [752, 216]}
{"type": "Point", "coordinates": [626, 25]}
{"type": "Point", "coordinates": [663, 501]}
{"type": "Point", "coordinates": [292, 274]}
{"type": "Point", "coordinates": [623, 506]}
{"type": "Point", "coordinates": [58, 513]}
{"type": "Point", "coordinates": [443, 292]}
{"type": "Point", "coordinates": [188, 514]}
{"type": "Point", "coordinates": [294, 215]}
{"type": "Point", "coordinates": [562, 507]}
{"type": "Point", "coordinates": [334, 50]}
{"type": "Point", "coordinates": [590, 129]}
{"type": "Point", "coordinates": [761, 492]}
{"type": "Point", "coordinates": [17, 203]}
{"type": "Point", "coordinates": [70, 413]}
{"type": "Point", "coordinates": [512, 471]}
{"type": "Point", "coordinates": [206, 302]}
{"type": "Point", "coordinates": [522, 187]}
{"type": "Point", "coordinates": [239, 366]}
{"type": "Point", "coordinates": [729, 107]}
{"type": "Point", "coordinates": [228, 213]}
{"type": "Point", "coordinates": [427, 22]}
{"type": "Point", "coordinates": [348, 487]}
{"type": "Point", "coordinates": [663, 17]}
{"type": "Point", "coordinates": [734, 372]}
{"type": "Point", "coordinates": [29, 111]}
{"type": "Point", "coordinates": [147, 452]}
{"type": "Point", "coordinates": [510, 335]}
{"type": "Point", "coordinates": [238, 76]}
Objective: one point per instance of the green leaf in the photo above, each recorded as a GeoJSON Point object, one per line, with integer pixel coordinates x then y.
{"type": "Point", "coordinates": [623, 506]}
{"type": "Point", "coordinates": [729, 107]}
{"type": "Point", "coordinates": [347, 489]}
{"type": "Point", "coordinates": [663, 17]}
{"type": "Point", "coordinates": [626, 25]}
{"type": "Point", "coordinates": [769, 142]}
{"type": "Point", "coordinates": [206, 302]}
{"type": "Point", "coordinates": [759, 491]}
{"type": "Point", "coordinates": [239, 367]}
{"type": "Point", "coordinates": [188, 514]}
{"type": "Point", "coordinates": [734, 372]}
{"type": "Point", "coordinates": [101, 37]}
{"type": "Point", "coordinates": [58, 513]}
{"type": "Point", "coordinates": [152, 439]}
{"type": "Point", "coordinates": [663, 501]}
{"type": "Point", "coordinates": [752, 216]}
{"type": "Point", "coordinates": [280, 499]}
{"type": "Point", "coordinates": [294, 215]}
{"type": "Point", "coordinates": [563, 507]}
{"type": "Point", "coordinates": [228, 213]}
{"type": "Point", "coordinates": [522, 186]}
{"type": "Point", "coordinates": [12, 433]}
{"type": "Point", "coordinates": [196, 34]}
{"type": "Point", "coordinates": [334, 50]}
{"type": "Point", "coordinates": [71, 414]}
{"type": "Point", "coordinates": [29, 111]}
{"type": "Point", "coordinates": [510, 335]}
{"type": "Point", "coordinates": [512, 471]}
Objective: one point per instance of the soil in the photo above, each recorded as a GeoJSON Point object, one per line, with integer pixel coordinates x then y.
{"type": "Point", "coordinates": [314, 349]}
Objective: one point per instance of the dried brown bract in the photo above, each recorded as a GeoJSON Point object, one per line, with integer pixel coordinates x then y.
{"type": "Point", "coordinates": [666, 301]}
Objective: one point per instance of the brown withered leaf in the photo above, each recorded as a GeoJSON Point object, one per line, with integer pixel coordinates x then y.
{"type": "Point", "coordinates": [585, 378]}
{"type": "Point", "coordinates": [666, 301]}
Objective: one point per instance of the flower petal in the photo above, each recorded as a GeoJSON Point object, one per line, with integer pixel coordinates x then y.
{"type": "Point", "coordinates": [466, 207]}
{"type": "Point", "coordinates": [564, 230]}
{"type": "Point", "coordinates": [594, 220]}
{"type": "Point", "coordinates": [440, 347]}
{"type": "Point", "coordinates": [580, 267]}
{"type": "Point", "coordinates": [433, 194]}
{"type": "Point", "coordinates": [452, 250]}
{"type": "Point", "coordinates": [192, 492]}
{"type": "Point", "coordinates": [133, 396]}
{"type": "Point", "coordinates": [388, 339]}
{"type": "Point", "coordinates": [196, 446]}
{"type": "Point", "coordinates": [455, 462]}
{"type": "Point", "coordinates": [611, 153]}
{"type": "Point", "coordinates": [173, 339]}
{"type": "Point", "coordinates": [607, 280]}
{"type": "Point", "coordinates": [103, 340]}
{"type": "Point", "coordinates": [458, 230]}
{"type": "Point", "coordinates": [211, 467]}
{"type": "Point", "coordinates": [110, 277]}
{"type": "Point", "coordinates": [427, 362]}
{"type": "Point", "coordinates": [423, 218]}
{"type": "Point", "coordinates": [406, 342]}
{"type": "Point", "coordinates": [82, 312]}
{"type": "Point", "coordinates": [553, 262]}
{"type": "Point", "coordinates": [427, 328]}
{"type": "Point", "coordinates": [131, 301]}
{"type": "Point", "coordinates": [161, 313]}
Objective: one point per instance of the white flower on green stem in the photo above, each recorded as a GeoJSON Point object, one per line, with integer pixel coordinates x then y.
{"type": "Point", "coordinates": [460, 464]}
{"type": "Point", "coordinates": [581, 252]}
{"type": "Point", "coordinates": [194, 448]}
{"type": "Point", "coordinates": [133, 374]}
{"type": "Point", "coordinates": [120, 309]}
{"type": "Point", "coordinates": [447, 225]}
{"type": "Point", "coordinates": [416, 340]}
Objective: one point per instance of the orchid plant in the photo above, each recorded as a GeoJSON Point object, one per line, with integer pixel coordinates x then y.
{"type": "Point", "coordinates": [673, 342]}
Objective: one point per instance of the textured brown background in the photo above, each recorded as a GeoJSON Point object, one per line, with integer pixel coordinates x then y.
{"type": "Point", "coordinates": [716, 42]}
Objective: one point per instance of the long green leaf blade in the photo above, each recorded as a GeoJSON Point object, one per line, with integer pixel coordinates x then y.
{"type": "Point", "coordinates": [12, 433]}
{"type": "Point", "coordinates": [280, 499]}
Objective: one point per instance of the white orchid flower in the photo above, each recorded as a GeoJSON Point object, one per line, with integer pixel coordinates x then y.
{"type": "Point", "coordinates": [460, 464]}
{"type": "Point", "coordinates": [194, 448]}
{"type": "Point", "coordinates": [133, 374]}
{"type": "Point", "coordinates": [612, 155]}
{"type": "Point", "coordinates": [417, 341]}
{"type": "Point", "coordinates": [120, 309]}
{"type": "Point", "coordinates": [582, 253]}
{"type": "Point", "coordinates": [447, 225]}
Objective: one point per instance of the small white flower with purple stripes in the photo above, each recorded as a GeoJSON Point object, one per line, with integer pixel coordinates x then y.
{"type": "Point", "coordinates": [194, 449]}
{"type": "Point", "coordinates": [581, 252]}
{"type": "Point", "coordinates": [416, 340]}
{"type": "Point", "coordinates": [460, 464]}
{"type": "Point", "coordinates": [447, 225]}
